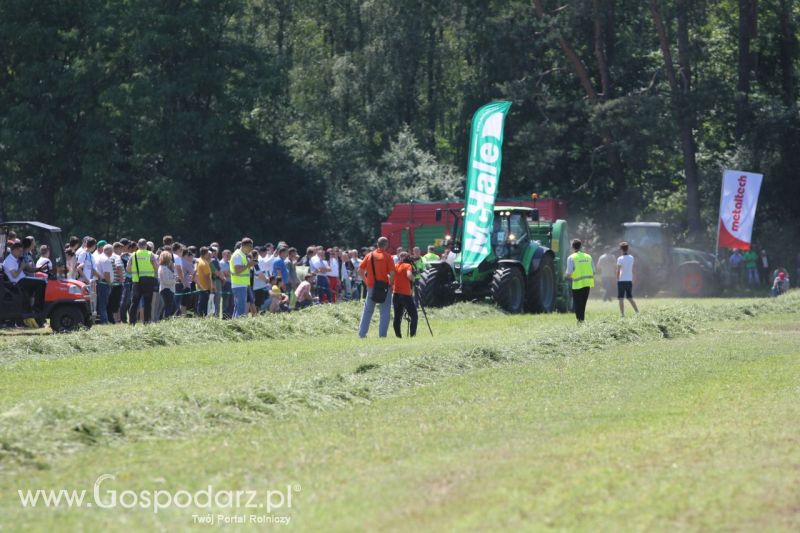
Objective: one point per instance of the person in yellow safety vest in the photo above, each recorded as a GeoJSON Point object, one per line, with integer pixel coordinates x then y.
{"type": "Point", "coordinates": [142, 266]}
{"type": "Point", "coordinates": [241, 263]}
{"type": "Point", "coordinates": [580, 270]}
{"type": "Point", "coordinates": [419, 262]}
{"type": "Point", "coordinates": [431, 255]}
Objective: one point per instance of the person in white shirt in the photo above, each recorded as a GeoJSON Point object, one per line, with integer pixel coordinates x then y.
{"type": "Point", "coordinates": [44, 264]}
{"type": "Point", "coordinates": [261, 285]}
{"type": "Point", "coordinates": [15, 272]}
{"type": "Point", "coordinates": [105, 273]}
{"type": "Point", "coordinates": [625, 279]}
{"type": "Point", "coordinates": [333, 273]}
{"type": "Point", "coordinates": [12, 265]}
{"type": "Point", "coordinates": [85, 260]}
{"type": "Point", "coordinates": [449, 256]}
{"type": "Point", "coordinates": [117, 281]}
{"type": "Point", "coordinates": [266, 257]}
{"type": "Point", "coordinates": [320, 267]}
{"type": "Point", "coordinates": [86, 268]}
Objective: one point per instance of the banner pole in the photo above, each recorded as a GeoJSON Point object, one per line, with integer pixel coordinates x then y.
{"type": "Point", "coordinates": [719, 215]}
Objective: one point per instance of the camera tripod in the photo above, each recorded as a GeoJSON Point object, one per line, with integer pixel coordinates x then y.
{"type": "Point", "coordinates": [422, 308]}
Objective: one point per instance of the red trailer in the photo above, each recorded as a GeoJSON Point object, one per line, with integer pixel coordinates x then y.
{"type": "Point", "coordinates": [414, 224]}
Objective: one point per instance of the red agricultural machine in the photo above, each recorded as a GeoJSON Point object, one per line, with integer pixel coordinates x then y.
{"type": "Point", "coordinates": [415, 224]}
{"type": "Point", "coordinates": [66, 301]}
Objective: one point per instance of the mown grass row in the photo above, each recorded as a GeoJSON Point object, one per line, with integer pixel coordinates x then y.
{"type": "Point", "coordinates": [34, 435]}
{"type": "Point", "coordinates": [316, 321]}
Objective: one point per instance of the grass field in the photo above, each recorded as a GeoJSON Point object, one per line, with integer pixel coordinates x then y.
{"type": "Point", "coordinates": [685, 417]}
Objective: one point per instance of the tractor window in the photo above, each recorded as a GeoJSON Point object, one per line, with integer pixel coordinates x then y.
{"type": "Point", "coordinates": [644, 236]}
{"type": "Point", "coordinates": [518, 226]}
{"type": "Point", "coordinates": [499, 232]}
{"type": "Point", "coordinates": [499, 236]}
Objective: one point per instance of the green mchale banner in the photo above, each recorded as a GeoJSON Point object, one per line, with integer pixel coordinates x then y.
{"type": "Point", "coordinates": [483, 174]}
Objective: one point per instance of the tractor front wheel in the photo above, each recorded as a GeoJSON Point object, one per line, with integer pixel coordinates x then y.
{"type": "Point", "coordinates": [508, 289]}
{"type": "Point", "coordinates": [435, 286]}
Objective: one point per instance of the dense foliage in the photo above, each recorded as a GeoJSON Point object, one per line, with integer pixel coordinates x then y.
{"type": "Point", "coordinates": [307, 119]}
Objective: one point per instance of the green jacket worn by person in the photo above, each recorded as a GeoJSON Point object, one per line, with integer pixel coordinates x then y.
{"type": "Point", "coordinates": [750, 259]}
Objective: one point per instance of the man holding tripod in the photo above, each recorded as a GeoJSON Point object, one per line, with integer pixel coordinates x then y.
{"type": "Point", "coordinates": [402, 295]}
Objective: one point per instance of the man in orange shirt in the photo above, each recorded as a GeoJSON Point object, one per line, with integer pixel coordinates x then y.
{"type": "Point", "coordinates": [377, 266]}
{"type": "Point", "coordinates": [203, 281]}
{"type": "Point", "coordinates": [402, 296]}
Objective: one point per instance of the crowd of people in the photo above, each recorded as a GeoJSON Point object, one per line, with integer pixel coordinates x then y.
{"type": "Point", "coordinates": [139, 281]}
{"type": "Point", "coordinates": [754, 270]}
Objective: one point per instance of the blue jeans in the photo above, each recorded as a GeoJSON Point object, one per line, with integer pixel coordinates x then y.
{"type": "Point", "coordinates": [239, 301]}
{"type": "Point", "coordinates": [168, 299]}
{"type": "Point", "coordinates": [103, 292]}
{"type": "Point", "coordinates": [752, 277]}
{"type": "Point", "coordinates": [369, 308]}
{"type": "Point", "coordinates": [323, 287]}
{"type": "Point", "coordinates": [202, 303]}
{"type": "Point", "coordinates": [127, 290]}
{"type": "Point", "coordinates": [178, 297]}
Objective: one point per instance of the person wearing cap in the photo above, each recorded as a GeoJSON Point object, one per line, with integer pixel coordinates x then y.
{"type": "Point", "coordinates": [781, 284]}
{"type": "Point", "coordinates": [97, 254]}
{"type": "Point", "coordinates": [143, 267]}
{"type": "Point", "coordinates": [278, 301]}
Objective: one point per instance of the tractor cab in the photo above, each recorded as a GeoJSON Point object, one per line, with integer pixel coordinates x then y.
{"type": "Point", "coordinates": [66, 301]}
{"type": "Point", "coordinates": [510, 233]}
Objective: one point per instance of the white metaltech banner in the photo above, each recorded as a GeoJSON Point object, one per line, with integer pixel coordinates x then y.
{"type": "Point", "coordinates": [737, 208]}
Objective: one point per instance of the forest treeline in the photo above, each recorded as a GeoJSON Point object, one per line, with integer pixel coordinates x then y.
{"type": "Point", "coordinates": [308, 119]}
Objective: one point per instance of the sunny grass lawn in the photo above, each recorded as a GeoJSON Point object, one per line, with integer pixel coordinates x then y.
{"type": "Point", "coordinates": [696, 432]}
{"type": "Point", "coordinates": [117, 379]}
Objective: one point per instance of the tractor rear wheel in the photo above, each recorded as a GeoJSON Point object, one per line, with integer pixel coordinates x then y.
{"type": "Point", "coordinates": [691, 280]}
{"type": "Point", "coordinates": [434, 287]}
{"type": "Point", "coordinates": [541, 297]}
{"type": "Point", "coordinates": [508, 289]}
{"type": "Point", "coordinates": [66, 318]}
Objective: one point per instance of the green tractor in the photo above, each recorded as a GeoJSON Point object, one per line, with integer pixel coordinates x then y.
{"type": "Point", "coordinates": [523, 272]}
